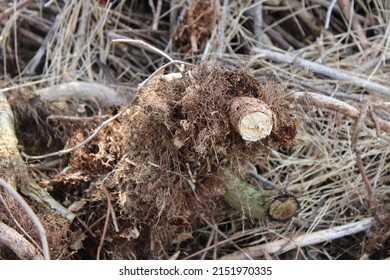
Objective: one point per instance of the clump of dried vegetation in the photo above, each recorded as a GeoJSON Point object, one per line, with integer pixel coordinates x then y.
{"type": "Point", "coordinates": [121, 162]}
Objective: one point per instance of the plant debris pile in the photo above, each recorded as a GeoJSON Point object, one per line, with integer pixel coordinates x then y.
{"type": "Point", "coordinates": [193, 114]}
{"type": "Point", "coordinates": [149, 183]}
{"type": "Point", "coordinates": [161, 159]}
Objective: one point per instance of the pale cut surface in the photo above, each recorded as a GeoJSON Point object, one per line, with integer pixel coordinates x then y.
{"type": "Point", "coordinates": [255, 126]}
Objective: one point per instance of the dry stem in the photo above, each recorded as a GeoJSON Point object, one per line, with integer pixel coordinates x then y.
{"type": "Point", "coordinates": [359, 126]}
{"type": "Point", "coordinates": [281, 246]}
{"type": "Point", "coordinates": [11, 10]}
{"type": "Point", "coordinates": [105, 224]}
{"type": "Point", "coordinates": [363, 172]}
{"type": "Point", "coordinates": [214, 227]}
{"type": "Point", "coordinates": [329, 13]}
{"type": "Point", "coordinates": [349, 14]}
{"type": "Point", "coordinates": [321, 69]}
{"type": "Point", "coordinates": [338, 106]}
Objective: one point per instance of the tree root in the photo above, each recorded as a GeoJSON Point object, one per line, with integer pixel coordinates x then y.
{"type": "Point", "coordinates": [18, 244]}
{"type": "Point", "coordinates": [14, 168]}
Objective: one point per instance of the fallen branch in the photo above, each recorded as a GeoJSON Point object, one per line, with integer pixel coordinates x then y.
{"type": "Point", "coordinates": [18, 244]}
{"type": "Point", "coordinates": [321, 69]}
{"type": "Point", "coordinates": [282, 246]}
{"type": "Point", "coordinates": [338, 106]}
{"type": "Point", "coordinates": [81, 90]}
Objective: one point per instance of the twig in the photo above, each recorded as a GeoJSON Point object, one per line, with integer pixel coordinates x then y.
{"type": "Point", "coordinates": [336, 105]}
{"type": "Point", "coordinates": [293, 14]}
{"type": "Point", "coordinates": [308, 19]}
{"type": "Point", "coordinates": [175, 256]}
{"type": "Point", "coordinates": [329, 13]}
{"type": "Point", "coordinates": [211, 237]}
{"type": "Point", "coordinates": [292, 40]}
{"type": "Point", "coordinates": [215, 250]}
{"type": "Point", "coordinates": [362, 170]}
{"type": "Point", "coordinates": [33, 38]}
{"type": "Point", "coordinates": [251, 170]}
{"type": "Point", "coordinates": [156, 13]}
{"type": "Point", "coordinates": [282, 246]}
{"type": "Point", "coordinates": [161, 68]}
{"type": "Point", "coordinates": [97, 221]}
{"type": "Point", "coordinates": [81, 10]}
{"type": "Point", "coordinates": [223, 242]}
{"type": "Point", "coordinates": [190, 26]}
{"type": "Point", "coordinates": [258, 23]}
{"type": "Point", "coordinates": [143, 45]}
{"type": "Point", "coordinates": [74, 118]}
{"type": "Point", "coordinates": [17, 223]}
{"type": "Point", "coordinates": [18, 244]}
{"type": "Point", "coordinates": [138, 43]}
{"type": "Point", "coordinates": [277, 38]}
{"type": "Point", "coordinates": [33, 64]}
{"type": "Point", "coordinates": [86, 227]}
{"type": "Point", "coordinates": [11, 10]}
{"type": "Point", "coordinates": [31, 214]}
{"type": "Point", "coordinates": [226, 237]}
{"type": "Point", "coordinates": [174, 19]}
{"type": "Point", "coordinates": [348, 12]}
{"type": "Point", "coordinates": [112, 211]}
{"type": "Point", "coordinates": [381, 105]}
{"type": "Point", "coordinates": [358, 127]}
{"type": "Point", "coordinates": [222, 26]}
{"type": "Point", "coordinates": [308, 84]}
{"type": "Point", "coordinates": [104, 229]}
{"type": "Point", "coordinates": [377, 127]}
{"type": "Point", "coordinates": [67, 151]}
{"type": "Point", "coordinates": [321, 69]}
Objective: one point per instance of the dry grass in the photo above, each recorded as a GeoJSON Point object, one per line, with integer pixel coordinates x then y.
{"type": "Point", "coordinates": [65, 42]}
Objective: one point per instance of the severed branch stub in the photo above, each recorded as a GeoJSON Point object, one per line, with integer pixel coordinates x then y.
{"type": "Point", "coordinates": [251, 118]}
{"type": "Point", "coordinates": [276, 205]}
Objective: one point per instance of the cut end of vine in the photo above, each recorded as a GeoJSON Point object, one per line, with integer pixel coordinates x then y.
{"type": "Point", "coordinates": [252, 119]}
